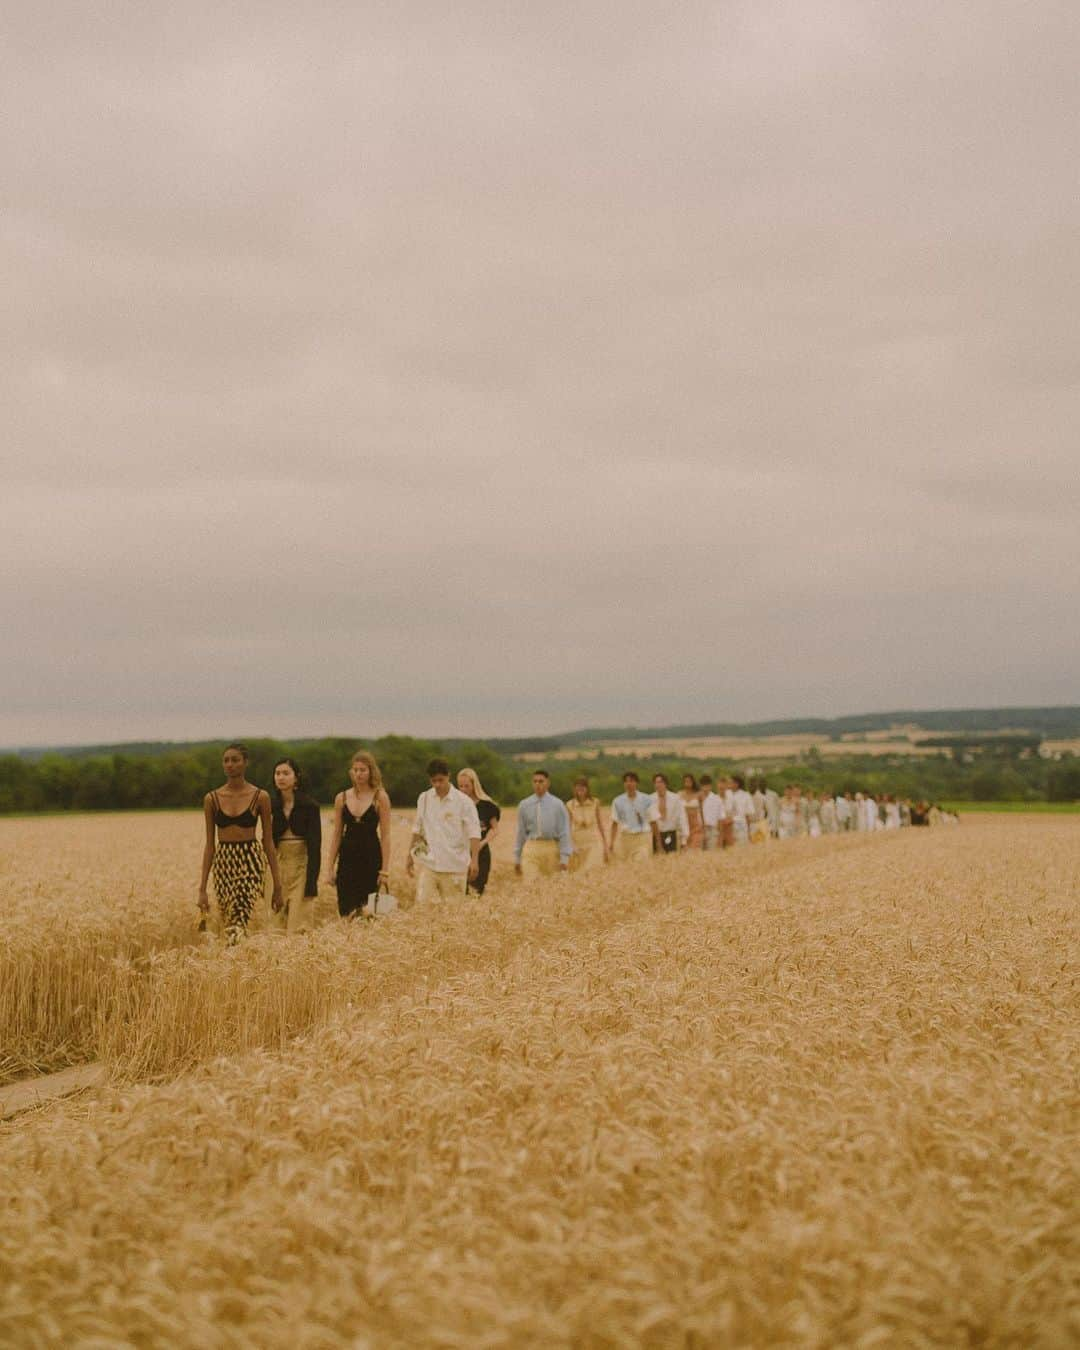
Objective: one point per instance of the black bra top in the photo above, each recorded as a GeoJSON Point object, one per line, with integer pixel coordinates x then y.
{"type": "Point", "coordinates": [246, 820]}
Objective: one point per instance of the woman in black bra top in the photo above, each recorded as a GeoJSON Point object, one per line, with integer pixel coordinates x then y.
{"type": "Point", "coordinates": [238, 860]}
{"type": "Point", "coordinates": [361, 843]}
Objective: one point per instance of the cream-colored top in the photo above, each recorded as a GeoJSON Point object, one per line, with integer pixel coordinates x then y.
{"type": "Point", "coordinates": [583, 814]}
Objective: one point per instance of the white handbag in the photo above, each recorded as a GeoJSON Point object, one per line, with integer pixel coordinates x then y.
{"type": "Point", "coordinates": [380, 903]}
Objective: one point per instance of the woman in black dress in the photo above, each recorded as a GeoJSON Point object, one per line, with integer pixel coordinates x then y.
{"type": "Point", "coordinates": [468, 782]}
{"type": "Point", "coordinates": [361, 842]}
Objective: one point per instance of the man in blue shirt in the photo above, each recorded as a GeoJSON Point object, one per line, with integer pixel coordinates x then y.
{"type": "Point", "coordinates": [630, 822]}
{"type": "Point", "coordinates": [543, 843]}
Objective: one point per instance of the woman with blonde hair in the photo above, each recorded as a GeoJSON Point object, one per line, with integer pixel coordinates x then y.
{"type": "Point", "coordinates": [361, 842]}
{"type": "Point", "coordinates": [468, 781]}
{"type": "Point", "coordinates": [585, 825]}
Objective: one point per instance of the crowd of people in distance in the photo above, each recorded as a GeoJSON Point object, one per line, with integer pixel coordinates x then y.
{"type": "Point", "coordinates": [454, 827]}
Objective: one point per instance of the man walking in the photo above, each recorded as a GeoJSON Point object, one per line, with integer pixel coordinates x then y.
{"type": "Point", "coordinates": [667, 816]}
{"type": "Point", "coordinates": [543, 845]}
{"type": "Point", "coordinates": [630, 823]}
{"type": "Point", "coordinates": [445, 838]}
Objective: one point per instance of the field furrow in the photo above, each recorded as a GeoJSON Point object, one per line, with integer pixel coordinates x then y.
{"type": "Point", "coordinates": [806, 1096]}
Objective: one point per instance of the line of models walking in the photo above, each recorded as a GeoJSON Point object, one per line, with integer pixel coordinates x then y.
{"type": "Point", "coordinates": [454, 827]}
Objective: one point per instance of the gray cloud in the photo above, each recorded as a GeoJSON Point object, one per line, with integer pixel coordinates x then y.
{"type": "Point", "coordinates": [403, 368]}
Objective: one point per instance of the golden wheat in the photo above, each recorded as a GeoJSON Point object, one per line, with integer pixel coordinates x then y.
{"type": "Point", "coordinates": [90, 903]}
{"type": "Point", "coordinates": [799, 1095]}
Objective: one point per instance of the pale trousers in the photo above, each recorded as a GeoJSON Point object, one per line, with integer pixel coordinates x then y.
{"type": "Point", "coordinates": [298, 916]}
{"type": "Point", "coordinates": [633, 847]}
{"type": "Point", "coordinates": [539, 858]}
{"type": "Point", "coordinates": [444, 885]}
{"type": "Point", "coordinates": [588, 852]}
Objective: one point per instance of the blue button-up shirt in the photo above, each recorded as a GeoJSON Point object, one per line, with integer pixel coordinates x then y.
{"type": "Point", "coordinates": [632, 813]}
{"type": "Point", "coordinates": [543, 818]}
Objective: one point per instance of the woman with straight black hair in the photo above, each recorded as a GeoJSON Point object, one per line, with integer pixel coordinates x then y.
{"type": "Point", "coordinates": [297, 830]}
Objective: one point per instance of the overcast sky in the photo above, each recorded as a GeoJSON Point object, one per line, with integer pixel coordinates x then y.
{"type": "Point", "coordinates": [520, 366]}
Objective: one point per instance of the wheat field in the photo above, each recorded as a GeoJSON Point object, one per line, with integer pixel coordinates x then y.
{"type": "Point", "coordinates": [817, 1093]}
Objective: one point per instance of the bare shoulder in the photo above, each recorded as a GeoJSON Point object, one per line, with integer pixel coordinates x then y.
{"type": "Point", "coordinates": [383, 798]}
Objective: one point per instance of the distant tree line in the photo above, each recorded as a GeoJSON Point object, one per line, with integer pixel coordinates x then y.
{"type": "Point", "coordinates": [126, 778]}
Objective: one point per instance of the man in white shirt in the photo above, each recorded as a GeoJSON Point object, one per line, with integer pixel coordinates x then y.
{"type": "Point", "coordinates": [445, 838]}
{"type": "Point", "coordinates": [667, 816]}
{"type": "Point", "coordinates": [843, 811]}
{"type": "Point", "coordinates": [630, 822]}
{"type": "Point", "coordinates": [713, 812]}
{"type": "Point", "coordinates": [741, 810]}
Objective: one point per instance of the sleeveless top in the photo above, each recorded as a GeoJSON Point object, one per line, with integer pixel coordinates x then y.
{"type": "Point", "coordinates": [582, 814]}
{"type": "Point", "coordinates": [246, 820]}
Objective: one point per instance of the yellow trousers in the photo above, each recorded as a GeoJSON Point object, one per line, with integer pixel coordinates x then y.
{"type": "Point", "coordinates": [588, 852]}
{"type": "Point", "coordinates": [298, 914]}
{"type": "Point", "coordinates": [445, 885]}
{"type": "Point", "coordinates": [633, 847]}
{"type": "Point", "coordinates": [539, 858]}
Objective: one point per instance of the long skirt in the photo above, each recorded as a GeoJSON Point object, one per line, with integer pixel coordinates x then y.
{"type": "Point", "coordinates": [238, 884]}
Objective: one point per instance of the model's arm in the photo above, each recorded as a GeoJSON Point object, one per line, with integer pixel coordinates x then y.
{"type": "Point", "coordinates": [417, 829]}
{"type": "Point", "coordinates": [566, 840]}
{"type": "Point", "coordinates": [276, 899]}
{"type": "Point", "coordinates": [335, 841]}
{"type": "Point", "coordinates": [493, 829]}
{"type": "Point", "coordinates": [614, 827]}
{"type": "Point", "coordinates": [473, 830]}
{"type": "Point", "coordinates": [208, 852]}
{"type": "Point", "coordinates": [519, 838]}
{"type": "Point", "coordinates": [384, 833]}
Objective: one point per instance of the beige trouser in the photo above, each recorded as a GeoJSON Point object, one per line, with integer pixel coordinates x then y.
{"type": "Point", "coordinates": [298, 914]}
{"type": "Point", "coordinates": [633, 847]}
{"type": "Point", "coordinates": [444, 885]}
{"type": "Point", "coordinates": [539, 858]}
{"type": "Point", "coordinates": [588, 852]}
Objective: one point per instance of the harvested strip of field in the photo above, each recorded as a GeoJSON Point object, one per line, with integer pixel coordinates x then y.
{"type": "Point", "coordinates": [826, 1103]}
{"type": "Point", "coordinates": [91, 900]}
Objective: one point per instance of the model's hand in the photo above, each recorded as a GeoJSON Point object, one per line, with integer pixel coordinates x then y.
{"type": "Point", "coordinates": [204, 901]}
{"type": "Point", "coordinates": [410, 866]}
{"type": "Point", "coordinates": [474, 870]}
{"type": "Point", "coordinates": [563, 866]}
{"type": "Point", "coordinates": [517, 868]}
{"type": "Point", "coordinates": [277, 901]}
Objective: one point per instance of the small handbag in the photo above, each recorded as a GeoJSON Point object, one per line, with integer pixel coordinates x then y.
{"type": "Point", "coordinates": [380, 903]}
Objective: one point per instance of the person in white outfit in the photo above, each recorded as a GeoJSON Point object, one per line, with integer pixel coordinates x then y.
{"type": "Point", "coordinates": [668, 818]}
{"type": "Point", "coordinates": [713, 814]}
{"type": "Point", "coordinates": [742, 810]}
{"type": "Point", "coordinates": [446, 838]}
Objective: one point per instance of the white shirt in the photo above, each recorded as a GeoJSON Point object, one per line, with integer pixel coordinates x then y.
{"type": "Point", "coordinates": [843, 809]}
{"type": "Point", "coordinates": [673, 817]}
{"type": "Point", "coordinates": [447, 824]}
{"type": "Point", "coordinates": [742, 804]}
{"type": "Point", "coordinates": [712, 810]}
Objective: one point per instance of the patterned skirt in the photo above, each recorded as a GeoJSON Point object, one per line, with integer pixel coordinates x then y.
{"type": "Point", "coordinates": [238, 884]}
